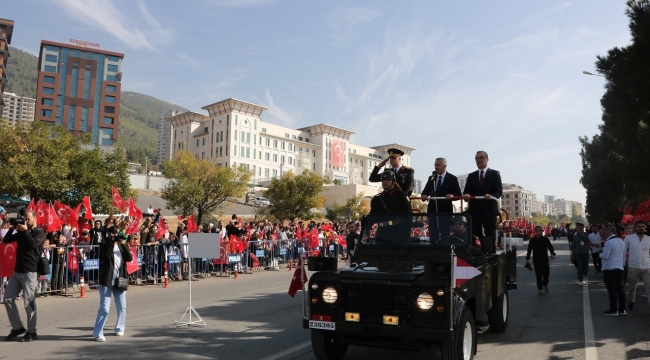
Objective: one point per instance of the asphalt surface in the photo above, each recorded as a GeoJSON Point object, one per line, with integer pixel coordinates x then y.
{"type": "Point", "coordinates": [254, 318]}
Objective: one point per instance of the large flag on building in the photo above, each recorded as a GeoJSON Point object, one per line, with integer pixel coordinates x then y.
{"type": "Point", "coordinates": [337, 153]}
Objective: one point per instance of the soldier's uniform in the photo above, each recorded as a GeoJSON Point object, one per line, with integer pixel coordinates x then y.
{"type": "Point", "coordinates": [391, 201]}
{"type": "Point", "coordinates": [403, 176]}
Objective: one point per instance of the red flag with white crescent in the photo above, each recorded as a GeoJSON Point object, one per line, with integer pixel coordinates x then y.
{"type": "Point", "coordinates": [132, 266]}
{"type": "Point", "coordinates": [53, 222]}
{"type": "Point", "coordinates": [298, 276]}
{"type": "Point", "coordinates": [191, 225]}
{"type": "Point", "coordinates": [133, 210]}
{"type": "Point", "coordinates": [42, 214]}
{"type": "Point", "coordinates": [32, 205]}
{"type": "Point", "coordinates": [63, 212]}
{"type": "Point", "coordinates": [89, 210]}
{"type": "Point", "coordinates": [118, 201]}
{"type": "Point", "coordinates": [7, 259]}
{"type": "Point", "coordinates": [313, 238]}
{"type": "Point", "coordinates": [462, 272]}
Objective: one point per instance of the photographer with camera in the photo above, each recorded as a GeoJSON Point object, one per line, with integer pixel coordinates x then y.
{"type": "Point", "coordinates": [114, 254]}
{"type": "Point", "coordinates": [29, 241]}
{"type": "Point", "coordinates": [539, 245]}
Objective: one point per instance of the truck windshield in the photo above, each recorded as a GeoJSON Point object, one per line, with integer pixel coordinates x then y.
{"type": "Point", "coordinates": [416, 230]}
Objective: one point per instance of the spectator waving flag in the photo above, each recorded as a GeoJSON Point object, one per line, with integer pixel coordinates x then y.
{"type": "Point", "coordinates": [42, 214]}
{"type": "Point", "coordinates": [462, 271]}
{"type": "Point", "coordinates": [88, 215]}
{"type": "Point", "coordinates": [191, 225]}
{"type": "Point", "coordinates": [32, 205]}
{"type": "Point", "coordinates": [298, 280]}
{"type": "Point", "coordinates": [136, 216]}
{"type": "Point", "coordinates": [53, 222]}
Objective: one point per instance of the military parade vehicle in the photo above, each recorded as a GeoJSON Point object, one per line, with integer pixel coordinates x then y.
{"type": "Point", "coordinates": [416, 280]}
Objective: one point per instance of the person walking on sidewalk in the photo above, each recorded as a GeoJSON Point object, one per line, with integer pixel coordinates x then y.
{"type": "Point", "coordinates": [613, 257]}
{"type": "Point", "coordinates": [580, 252]}
{"type": "Point", "coordinates": [637, 245]}
{"type": "Point", "coordinates": [596, 246]}
{"type": "Point", "coordinates": [540, 245]}
{"type": "Point", "coordinates": [28, 238]}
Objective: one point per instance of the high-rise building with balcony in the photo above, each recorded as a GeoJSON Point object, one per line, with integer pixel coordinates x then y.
{"type": "Point", "coordinates": [79, 88]}
{"type": "Point", "coordinates": [6, 30]}
{"type": "Point", "coordinates": [18, 109]}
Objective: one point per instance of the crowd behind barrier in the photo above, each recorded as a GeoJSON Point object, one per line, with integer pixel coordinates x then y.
{"type": "Point", "coordinates": [73, 252]}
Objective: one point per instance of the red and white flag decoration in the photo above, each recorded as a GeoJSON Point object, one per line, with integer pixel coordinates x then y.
{"type": "Point", "coordinates": [117, 200]}
{"type": "Point", "coordinates": [462, 272]}
{"type": "Point", "coordinates": [89, 210]}
{"type": "Point", "coordinates": [298, 279]}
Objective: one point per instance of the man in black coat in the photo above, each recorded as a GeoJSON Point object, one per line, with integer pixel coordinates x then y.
{"type": "Point", "coordinates": [404, 180]}
{"type": "Point", "coordinates": [440, 183]}
{"type": "Point", "coordinates": [484, 182]}
{"type": "Point", "coordinates": [391, 201]}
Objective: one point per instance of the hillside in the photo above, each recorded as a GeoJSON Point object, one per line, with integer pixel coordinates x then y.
{"type": "Point", "coordinates": [139, 113]}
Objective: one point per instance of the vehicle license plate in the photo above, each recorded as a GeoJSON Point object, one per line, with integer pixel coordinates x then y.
{"type": "Point", "coordinates": [322, 325]}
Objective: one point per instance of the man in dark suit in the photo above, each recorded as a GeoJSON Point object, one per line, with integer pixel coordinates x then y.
{"type": "Point", "coordinates": [441, 183]}
{"type": "Point", "coordinates": [403, 174]}
{"type": "Point", "coordinates": [484, 182]}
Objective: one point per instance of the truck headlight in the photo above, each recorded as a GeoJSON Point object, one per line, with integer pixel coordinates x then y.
{"type": "Point", "coordinates": [330, 295]}
{"type": "Point", "coordinates": [425, 301]}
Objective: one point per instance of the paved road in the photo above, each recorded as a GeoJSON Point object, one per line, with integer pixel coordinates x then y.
{"type": "Point", "coordinates": [254, 318]}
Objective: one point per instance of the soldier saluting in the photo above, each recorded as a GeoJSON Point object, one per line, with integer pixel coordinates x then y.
{"type": "Point", "coordinates": [403, 174]}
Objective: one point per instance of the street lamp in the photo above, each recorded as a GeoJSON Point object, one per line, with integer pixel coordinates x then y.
{"type": "Point", "coordinates": [590, 73]}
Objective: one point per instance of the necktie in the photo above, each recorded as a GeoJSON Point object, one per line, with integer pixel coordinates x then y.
{"type": "Point", "coordinates": [480, 179]}
{"type": "Point", "coordinates": [439, 182]}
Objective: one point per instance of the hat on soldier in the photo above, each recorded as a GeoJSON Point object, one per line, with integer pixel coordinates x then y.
{"type": "Point", "coordinates": [395, 152]}
{"type": "Point", "coordinates": [388, 175]}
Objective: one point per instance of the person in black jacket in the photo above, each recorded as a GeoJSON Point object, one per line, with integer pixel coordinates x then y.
{"type": "Point", "coordinates": [539, 245]}
{"type": "Point", "coordinates": [28, 238]}
{"type": "Point", "coordinates": [114, 254]}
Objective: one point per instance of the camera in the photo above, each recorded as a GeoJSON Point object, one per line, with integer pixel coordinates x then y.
{"type": "Point", "coordinates": [18, 220]}
{"type": "Point", "coordinates": [529, 267]}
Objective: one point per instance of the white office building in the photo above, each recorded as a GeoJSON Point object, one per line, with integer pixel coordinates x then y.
{"type": "Point", "coordinates": [18, 109]}
{"type": "Point", "coordinates": [165, 137]}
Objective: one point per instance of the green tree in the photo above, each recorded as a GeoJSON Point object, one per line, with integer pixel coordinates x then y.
{"type": "Point", "coordinates": [613, 171]}
{"type": "Point", "coordinates": [49, 162]}
{"type": "Point", "coordinates": [358, 207]}
{"type": "Point", "coordinates": [201, 185]}
{"type": "Point", "coordinates": [294, 196]}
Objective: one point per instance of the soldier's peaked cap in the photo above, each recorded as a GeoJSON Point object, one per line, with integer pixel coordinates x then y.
{"type": "Point", "coordinates": [395, 152]}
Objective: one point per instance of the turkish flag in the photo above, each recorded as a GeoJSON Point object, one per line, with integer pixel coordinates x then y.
{"type": "Point", "coordinates": [132, 266]}
{"type": "Point", "coordinates": [342, 241]}
{"type": "Point", "coordinates": [7, 259]}
{"type": "Point", "coordinates": [133, 210]}
{"type": "Point", "coordinates": [42, 214]}
{"type": "Point", "coordinates": [64, 213]}
{"type": "Point", "coordinates": [73, 261]}
{"type": "Point", "coordinates": [462, 272]}
{"type": "Point", "coordinates": [296, 283]}
{"type": "Point", "coordinates": [326, 227]}
{"type": "Point", "coordinates": [161, 228]}
{"type": "Point", "coordinates": [53, 222]}
{"type": "Point", "coordinates": [191, 225]}
{"type": "Point", "coordinates": [89, 210]}
{"type": "Point", "coordinates": [313, 238]}
{"type": "Point", "coordinates": [118, 201]}
{"type": "Point", "coordinates": [32, 205]}
{"type": "Point", "coordinates": [223, 254]}
{"type": "Point", "coordinates": [338, 153]}
{"type": "Point", "coordinates": [254, 260]}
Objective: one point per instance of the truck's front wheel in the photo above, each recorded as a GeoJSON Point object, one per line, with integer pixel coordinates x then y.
{"type": "Point", "coordinates": [498, 315]}
{"type": "Point", "coordinates": [326, 347]}
{"type": "Point", "coordinates": [462, 346]}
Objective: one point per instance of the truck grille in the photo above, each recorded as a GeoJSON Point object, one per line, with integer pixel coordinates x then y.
{"type": "Point", "coordinates": [375, 299]}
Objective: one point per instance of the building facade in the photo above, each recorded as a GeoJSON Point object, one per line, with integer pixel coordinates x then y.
{"type": "Point", "coordinates": [6, 31]}
{"type": "Point", "coordinates": [18, 109]}
{"type": "Point", "coordinates": [517, 201]}
{"type": "Point", "coordinates": [232, 133]}
{"type": "Point", "coordinates": [165, 143]}
{"type": "Point", "coordinates": [79, 88]}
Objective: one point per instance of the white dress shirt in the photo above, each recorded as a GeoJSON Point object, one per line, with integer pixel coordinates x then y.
{"type": "Point", "coordinates": [639, 250]}
{"type": "Point", "coordinates": [595, 240]}
{"type": "Point", "coordinates": [613, 254]}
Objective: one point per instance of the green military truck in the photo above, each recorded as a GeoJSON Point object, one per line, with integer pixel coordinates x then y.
{"type": "Point", "coordinates": [415, 280]}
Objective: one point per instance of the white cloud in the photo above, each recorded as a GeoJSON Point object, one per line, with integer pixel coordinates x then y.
{"type": "Point", "coordinates": [123, 24]}
{"type": "Point", "coordinates": [283, 116]}
{"type": "Point", "coordinates": [240, 3]}
{"type": "Point", "coordinates": [342, 20]}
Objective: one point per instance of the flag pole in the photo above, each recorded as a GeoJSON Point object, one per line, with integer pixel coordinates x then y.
{"type": "Point", "coordinates": [451, 289]}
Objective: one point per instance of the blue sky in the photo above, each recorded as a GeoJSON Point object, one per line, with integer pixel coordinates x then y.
{"type": "Point", "coordinates": [447, 78]}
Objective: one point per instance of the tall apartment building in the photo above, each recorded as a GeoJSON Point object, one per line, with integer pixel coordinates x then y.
{"type": "Point", "coordinates": [517, 201]}
{"type": "Point", "coordinates": [18, 109]}
{"type": "Point", "coordinates": [6, 30]}
{"type": "Point", "coordinates": [233, 133]}
{"type": "Point", "coordinates": [79, 88]}
{"type": "Point", "coordinates": [165, 137]}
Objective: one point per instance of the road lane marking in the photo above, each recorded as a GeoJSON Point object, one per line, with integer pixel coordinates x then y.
{"type": "Point", "coordinates": [288, 351]}
{"type": "Point", "coordinates": [590, 345]}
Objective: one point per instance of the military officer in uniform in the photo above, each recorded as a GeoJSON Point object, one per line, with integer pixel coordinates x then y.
{"type": "Point", "coordinates": [403, 174]}
{"type": "Point", "coordinates": [392, 199]}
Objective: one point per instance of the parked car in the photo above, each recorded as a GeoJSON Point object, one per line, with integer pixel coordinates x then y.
{"type": "Point", "coordinates": [261, 201]}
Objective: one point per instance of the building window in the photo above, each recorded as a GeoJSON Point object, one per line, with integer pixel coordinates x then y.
{"type": "Point", "coordinates": [264, 130]}
{"type": "Point", "coordinates": [203, 142]}
{"type": "Point", "coordinates": [48, 102]}
{"type": "Point", "coordinates": [248, 153]}
{"type": "Point", "coordinates": [248, 138]}
{"type": "Point", "coordinates": [243, 136]}
{"type": "Point", "coordinates": [46, 113]}
{"type": "Point", "coordinates": [282, 145]}
{"type": "Point", "coordinates": [275, 157]}
{"type": "Point", "coordinates": [108, 120]}
{"type": "Point", "coordinates": [275, 144]}
{"type": "Point", "coordinates": [286, 135]}
{"type": "Point", "coordinates": [48, 79]}
{"type": "Point", "coordinates": [290, 147]}
{"type": "Point", "coordinates": [48, 91]}
{"type": "Point", "coordinates": [112, 78]}
{"type": "Point", "coordinates": [50, 68]}
{"type": "Point", "coordinates": [109, 99]}
{"type": "Point", "coordinates": [197, 142]}
{"type": "Point", "coordinates": [282, 159]}
{"type": "Point", "coordinates": [275, 173]}
{"type": "Point", "coordinates": [293, 137]}
{"type": "Point", "coordinates": [51, 48]}
{"type": "Point", "coordinates": [313, 153]}
{"type": "Point", "coordinates": [242, 152]}
{"type": "Point", "coordinates": [109, 109]}
{"type": "Point", "coordinates": [111, 68]}
{"type": "Point", "coordinates": [306, 140]}
{"type": "Point", "coordinates": [313, 166]}
{"type": "Point", "coordinates": [50, 58]}
{"type": "Point", "coordinates": [234, 150]}
{"type": "Point", "coordinates": [235, 138]}
{"type": "Point", "coordinates": [111, 88]}
{"type": "Point", "coordinates": [113, 58]}
{"type": "Point", "coordinates": [268, 142]}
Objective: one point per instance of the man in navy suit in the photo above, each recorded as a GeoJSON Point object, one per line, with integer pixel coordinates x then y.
{"type": "Point", "coordinates": [483, 182]}
{"type": "Point", "coordinates": [441, 183]}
